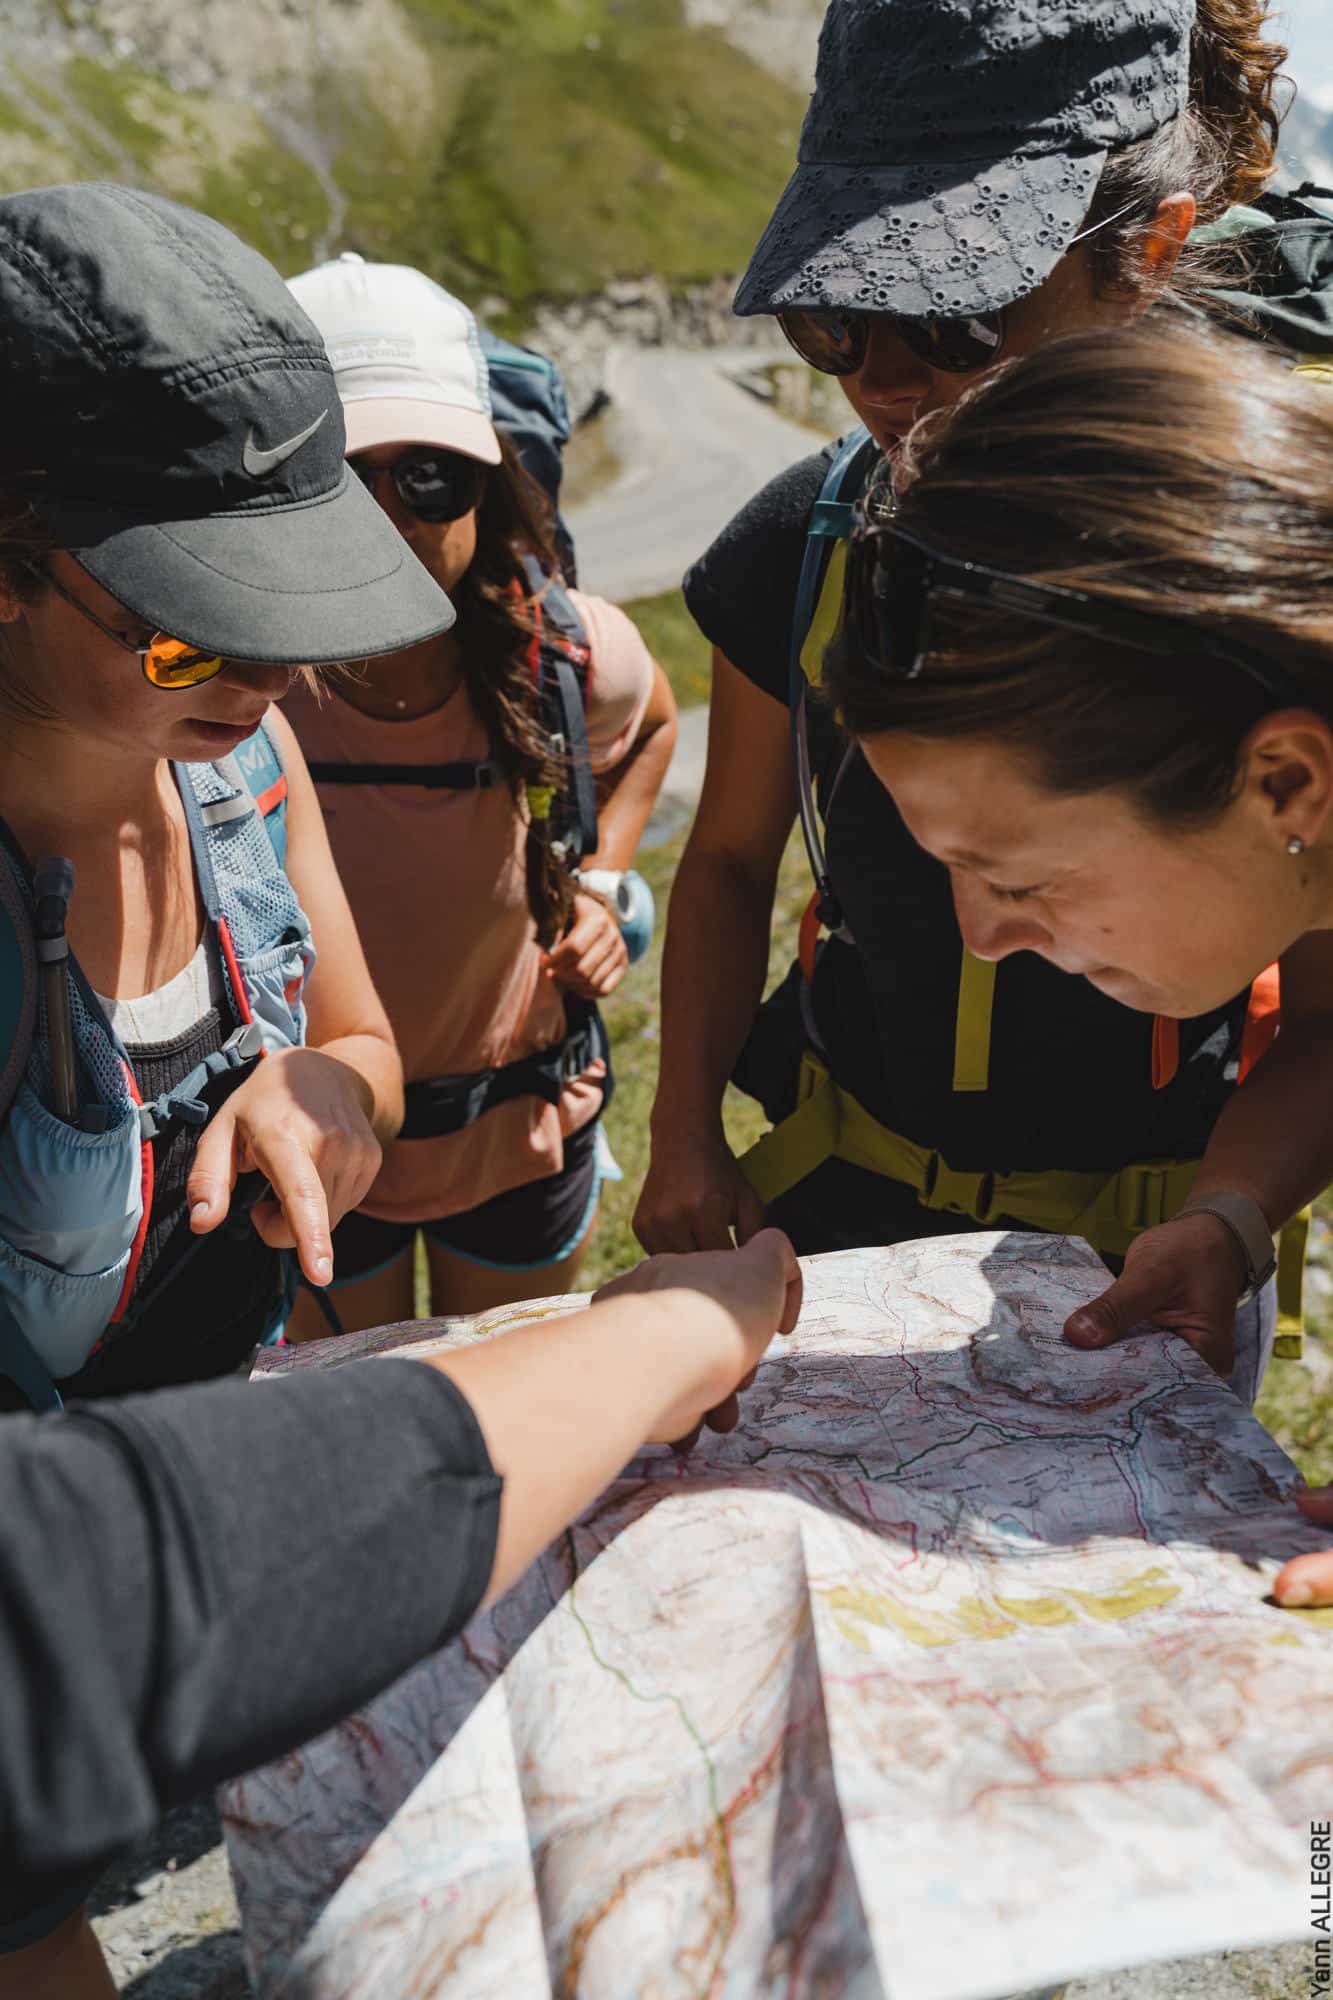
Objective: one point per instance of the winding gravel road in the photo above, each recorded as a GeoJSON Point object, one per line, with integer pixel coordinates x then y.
{"type": "Point", "coordinates": [693, 447]}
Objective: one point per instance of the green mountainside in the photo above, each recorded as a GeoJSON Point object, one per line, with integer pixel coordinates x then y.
{"type": "Point", "coordinates": [521, 148]}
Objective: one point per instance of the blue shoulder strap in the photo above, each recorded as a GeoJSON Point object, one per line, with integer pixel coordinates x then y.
{"type": "Point", "coordinates": [266, 780]}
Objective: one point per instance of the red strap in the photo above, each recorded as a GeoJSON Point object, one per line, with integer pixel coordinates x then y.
{"type": "Point", "coordinates": [1165, 1050]}
{"type": "Point", "coordinates": [1262, 1020]}
{"type": "Point", "coordinates": [233, 966]}
{"type": "Point", "coordinates": [273, 797]}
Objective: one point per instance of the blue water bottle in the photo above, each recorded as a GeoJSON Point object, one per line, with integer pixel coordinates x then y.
{"type": "Point", "coordinates": [632, 902]}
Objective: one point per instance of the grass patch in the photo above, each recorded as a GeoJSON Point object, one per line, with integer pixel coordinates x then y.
{"type": "Point", "coordinates": [1296, 1402]}
{"type": "Point", "coordinates": [272, 199]}
{"type": "Point", "coordinates": [13, 120]}
{"type": "Point", "coordinates": [214, 155]}
{"type": "Point", "coordinates": [673, 638]}
{"type": "Point", "coordinates": [130, 105]}
{"type": "Point", "coordinates": [633, 1019]}
{"type": "Point", "coordinates": [591, 140]}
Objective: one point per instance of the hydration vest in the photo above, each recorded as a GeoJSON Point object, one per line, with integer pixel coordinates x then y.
{"type": "Point", "coordinates": [75, 1198]}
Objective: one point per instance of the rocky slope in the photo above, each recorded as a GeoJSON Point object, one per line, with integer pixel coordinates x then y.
{"type": "Point", "coordinates": [517, 148]}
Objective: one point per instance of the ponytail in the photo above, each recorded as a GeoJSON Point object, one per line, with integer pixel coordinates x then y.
{"type": "Point", "coordinates": [1234, 76]}
{"type": "Point", "coordinates": [1222, 150]}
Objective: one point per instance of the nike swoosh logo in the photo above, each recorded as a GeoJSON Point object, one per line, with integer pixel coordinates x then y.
{"type": "Point", "coordinates": [258, 462]}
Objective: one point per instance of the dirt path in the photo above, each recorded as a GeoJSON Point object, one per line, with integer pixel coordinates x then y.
{"type": "Point", "coordinates": [693, 447]}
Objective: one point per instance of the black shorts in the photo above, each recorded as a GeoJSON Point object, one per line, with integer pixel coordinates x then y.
{"type": "Point", "coordinates": [524, 1229]}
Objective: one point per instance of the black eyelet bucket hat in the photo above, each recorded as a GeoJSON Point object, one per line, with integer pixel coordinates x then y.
{"type": "Point", "coordinates": [953, 147]}
{"type": "Point", "coordinates": [172, 416]}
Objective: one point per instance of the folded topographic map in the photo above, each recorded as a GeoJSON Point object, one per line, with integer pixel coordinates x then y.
{"type": "Point", "coordinates": [948, 1675]}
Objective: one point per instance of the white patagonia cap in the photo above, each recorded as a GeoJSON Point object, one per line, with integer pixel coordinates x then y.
{"type": "Point", "coordinates": [406, 355]}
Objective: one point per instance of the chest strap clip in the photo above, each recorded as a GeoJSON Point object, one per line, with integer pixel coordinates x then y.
{"type": "Point", "coordinates": [184, 1105]}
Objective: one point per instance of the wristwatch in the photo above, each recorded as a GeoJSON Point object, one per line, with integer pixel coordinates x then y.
{"type": "Point", "coordinates": [1249, 1227]}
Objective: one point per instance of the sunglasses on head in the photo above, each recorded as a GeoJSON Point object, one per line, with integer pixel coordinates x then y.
{"type": "Point", "coordinates": [170, 664]}
{"type": "Point", "coordinates": [893, 579]}
{"type": "Point", "coordinates": [434, 485]}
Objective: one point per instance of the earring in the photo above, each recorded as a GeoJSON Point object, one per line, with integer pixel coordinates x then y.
{"type": "Point", "coordinates": [1295, 845]}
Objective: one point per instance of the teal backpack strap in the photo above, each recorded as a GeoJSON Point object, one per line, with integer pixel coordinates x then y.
{"type": "Point", "coordinates": [830, 522]}
{"type": "Point", "coordinates": [265, 775]}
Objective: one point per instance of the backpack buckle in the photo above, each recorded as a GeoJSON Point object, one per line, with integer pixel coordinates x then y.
{"type": "Point", "coordinates": [1142, 1197]}
{"type": "Point", "coordinates": [243, 1045]}
{"type": "Point", "coordinates": [955, 1193]}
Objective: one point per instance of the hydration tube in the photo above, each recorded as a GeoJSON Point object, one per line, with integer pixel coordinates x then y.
{"type": "Point", "coordinates": [53, 885]}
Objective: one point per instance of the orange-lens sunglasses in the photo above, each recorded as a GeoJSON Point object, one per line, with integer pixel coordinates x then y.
{"type": "Point", "coordinates": [167, 663]}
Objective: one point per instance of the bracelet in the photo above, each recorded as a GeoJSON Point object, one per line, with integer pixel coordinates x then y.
{"type": "Point", "coordinates": [1250, 1229]}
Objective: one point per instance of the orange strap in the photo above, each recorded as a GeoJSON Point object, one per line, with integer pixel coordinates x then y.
{"type": "Point", "coordinates": [1165, 1050]}
{"type": "Point", "coordinates": [1257, 1037]}
{"type": "Point", "coordinates": [1261, 1023]}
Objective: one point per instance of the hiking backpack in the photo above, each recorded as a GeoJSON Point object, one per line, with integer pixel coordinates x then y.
{"type": "Point", "coordinates": [531, 409]}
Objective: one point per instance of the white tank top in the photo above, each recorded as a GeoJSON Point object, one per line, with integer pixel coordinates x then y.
{"type": "Point", "coordinates": [173, 1009]}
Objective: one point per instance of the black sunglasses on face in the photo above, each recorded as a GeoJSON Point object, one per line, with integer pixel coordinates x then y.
{"type": "Point", "coordinates": [434, 485]}
{"type": "Point", "coordinates": [836, 343]}
{"type": "Point", "coordinates": [893, 579]}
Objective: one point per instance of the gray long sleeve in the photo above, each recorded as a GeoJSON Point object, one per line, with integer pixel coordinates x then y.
{"type": "Point", "coordinates": [196, 1581]}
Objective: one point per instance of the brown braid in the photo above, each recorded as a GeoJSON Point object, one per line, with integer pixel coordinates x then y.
{"type": "Point", "coordinates": [496, 628]}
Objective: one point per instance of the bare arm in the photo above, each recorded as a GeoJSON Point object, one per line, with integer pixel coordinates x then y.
{"type": "Point", "coordinates": [714, 968]}
{"type": "Point", "coordinates": [665, 1344]}
{"type": "Point", "coordinates": [627, 794]}
{"type": "Point", "coordinates": [388, 1506]}
{"type": "Point", "coordinates": [591, 959]}
{"type": "Point", "coordinates": [1274, 1140]}
{"type": "Point", "coordinates": [346, 1018]}
{"type": "Point", "coordinates": [311, 1120]}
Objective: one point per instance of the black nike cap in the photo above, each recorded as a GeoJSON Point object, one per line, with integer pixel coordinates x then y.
{"type": "Point", "coordinates": [172, 415]}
